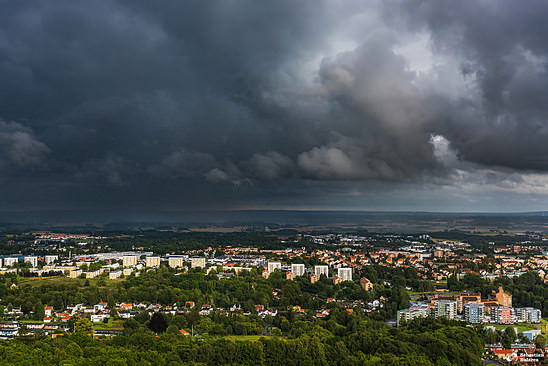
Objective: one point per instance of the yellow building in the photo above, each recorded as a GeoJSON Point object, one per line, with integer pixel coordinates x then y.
{"type": "Point", "coordinates": [129, 260]}
{"type": "Point", "coordinates": [197, 262]}
{"type": "Point", "coordinates": [92, 274]}
{"type": "Point", "coordinates": [503, 298]}
{"type": "Point", "coordinates": [114, 275]}
{"type": "Point", "coordinates": [366, 284]}
{"type": "Point", "coordinates": [75, 273]}
{"type": "Point", "coordinates": [176, 262]}
{"type": "Point", "coordinates": [152, 261]}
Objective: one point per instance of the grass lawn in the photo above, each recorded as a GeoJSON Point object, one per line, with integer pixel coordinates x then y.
{"type": "Point", "coordinates": [112, 324]}
{"type": "Point", "coordinates": [520, 327]}
{"type": "Point", "coordinates": [62, 280]}
{"type": "Point", "coordinates": [543, 324]}
{"type": "Point", "coordinates": [56, 280]}
{"type": "Point", "coordinates": [252, 338]}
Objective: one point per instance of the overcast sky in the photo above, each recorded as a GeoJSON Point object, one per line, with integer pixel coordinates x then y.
{"type": "Point", "coordinates": [374, 105]}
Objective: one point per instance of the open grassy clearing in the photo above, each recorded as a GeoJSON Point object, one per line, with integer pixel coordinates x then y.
{"type": "Point", "coordinates": [252, 338]}
{"type": "Point", "coordinates": [61, 280]}
{"type": "Point", "coordinates": [111, 324]}
{"type": "Point", "coordinates": [519, 327]}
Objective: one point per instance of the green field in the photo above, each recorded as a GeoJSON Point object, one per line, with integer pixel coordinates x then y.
{"type": "Point", "coordinates": [62, 280]}
{"type": "Point", "coordinates": [252, 338]}
{"type": "Point", "coordinates": [112, 324]}
{"type": "Point", "coordinates": [57, 280]}
{"type": "Point", "coordinates": [520, 327]}
{"type": "Point", "coordinates": [543, 324]}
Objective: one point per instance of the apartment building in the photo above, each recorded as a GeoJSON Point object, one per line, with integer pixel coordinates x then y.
{"type": "Point", "coordinates": [272, 266]}
{"type": "Point", "coordinates": [321, 270]}
{"type": "Point", "coordinates": [345, 274]}
{"type": "Point", "coordinates": [152, 261]}
{"type": "Point", "coordinates": [474, 312]}
{"type": "Point", "coordinates": [298, 269]}
{"type": "Point", "coordinates": [199, 262]}
{"type": "Point", "coordinates": [129, 260]}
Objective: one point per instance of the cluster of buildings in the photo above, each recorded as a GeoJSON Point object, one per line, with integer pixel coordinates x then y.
{"type": "Point", "coordinates": [434, 259]}
{"type": "Point", "coordinates": [518, 353]}
{"type": "Point", "coordinates": [437, 260]}
{"type": "Point", "coordinates": [471, 308]}
{"type": "Point", "coordinates": [54, 322]}
{"type": "Point", "coordinates": [299, 269]}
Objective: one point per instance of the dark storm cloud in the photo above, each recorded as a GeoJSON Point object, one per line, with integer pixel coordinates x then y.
{"type": "Point", "coordinates": [502, 46]}
{"type": "Point", "coordinates": [19, 148]}
{"type": "Point", "coordinates": [160, 104]}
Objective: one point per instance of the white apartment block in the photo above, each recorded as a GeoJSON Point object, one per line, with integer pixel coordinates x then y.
{"type": "Point", "coordinates": [176, 262]}
{"type": "Point", "coordinates": [152, 261]}
{"type": "Point", "coordinates": [10, 261]}
{"type": "Point", "coordinates": [321, 270]}
{"type": "Point", "coordinates": [272, 266]}
{"type": "Point", "coordinates": [114, 275]}
{"type": "Point", "coordinates": [412, 313]}
{"type": "Point", "coordinates": [345, 273]}
{"type": "Point", "coordinates": [49, 259]}
{"type": "Point", "coordinates": [129, 260]}
{"type": "Point", "coordinates": [127, 271]}
{"type": "Point", "coordinates": [298, 269]}
{"type": "Point", "coordinates": [32, 260]}
{"type": "Point", "coordinates": [197, 262]}
{"type": "Point", "coordinates": [445, 309]}
{"type": "Point", "coordinates": [528, 315]}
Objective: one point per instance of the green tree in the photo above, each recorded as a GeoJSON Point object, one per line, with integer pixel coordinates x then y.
{"type": "Point", "coordinates": [172, 329]}
{"type": "Point", "coordinates": [508, 337]}
{"type": "Point", "coordinates": [540, 341]}
{"type": "Point", "coordinates": [39, 312]}
{"type": "Point", "coordinates": [23, 330]}
{"type": "Point", "coordinates": [157, 323]}
{"type": "Point", "coordinates": [83, 326]}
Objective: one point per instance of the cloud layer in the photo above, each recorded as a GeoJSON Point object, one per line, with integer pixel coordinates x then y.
{"type": "Point", "coordinates": [222, 104]}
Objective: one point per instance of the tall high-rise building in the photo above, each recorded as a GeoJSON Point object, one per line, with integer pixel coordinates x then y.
{"type": "Point", "coordinates": [176, 261]}
{"type": "Point", "coordinates": [321, 270]}
{"type": "Point", "coordinates": [298, 269]}
{"type": "Point", "coordinates": [49, 259]}
{"type": "Point", "coordinates": [503, 298]}
{"type": "Point", "coordinates": [474, 312]}
{"type": "Point", "coordinates": [272, 266]}
{"type": "Point", "coordinates": [129, 260]}
{"type": "Point", "coordinates": [345, 273]}
{"type": "Point", "coordinates": [32, 260]}
{"type": "Point", "coordinates": [445, 309]}
{"type": "Point", "coordinates": [528, 315]}
{"type": "Point", "coordinates": [152, 261]}
{"type": "Point", "coordinates": [10, 261]}
{"type": "Point", "coordinates": [502, 314]}
{"type": "Point", "coordinates": [197, 262]}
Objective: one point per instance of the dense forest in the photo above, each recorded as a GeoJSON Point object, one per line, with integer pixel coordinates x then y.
{"type": "Point", "coordinates": [290, 338]}
{"type": "Point", "coordinates": [348, 340]}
